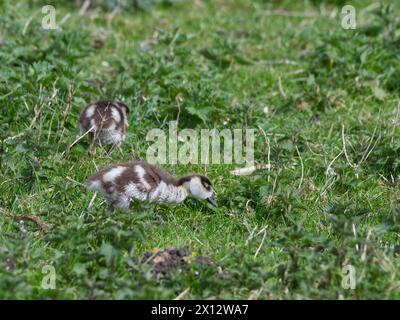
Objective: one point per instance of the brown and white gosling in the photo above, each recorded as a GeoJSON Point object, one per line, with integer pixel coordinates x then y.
{"type": "Point", "coordinates": [105, 122]}
{"type": "Point", "coordinates": [121, 183]}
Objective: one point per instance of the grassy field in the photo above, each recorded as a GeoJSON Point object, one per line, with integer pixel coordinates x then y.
{"type": "Point", "coordinates": [325, 105]}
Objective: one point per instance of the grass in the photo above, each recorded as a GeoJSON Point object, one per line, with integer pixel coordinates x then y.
{"type": "Point", "coordinates": [324, 101]}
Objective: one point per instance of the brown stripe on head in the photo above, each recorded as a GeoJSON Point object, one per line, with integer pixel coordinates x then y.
{"type": "Point", "coordinates": [205, 181]}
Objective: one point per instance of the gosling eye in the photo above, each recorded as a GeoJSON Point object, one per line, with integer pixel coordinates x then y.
{"type": "Point", "coordinates": [207, 186]}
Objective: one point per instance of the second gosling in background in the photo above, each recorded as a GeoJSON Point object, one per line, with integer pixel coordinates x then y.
{"type": "Point", "coordinates": [105, 122]}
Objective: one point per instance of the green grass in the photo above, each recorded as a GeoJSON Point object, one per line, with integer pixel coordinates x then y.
{"type": "Point", "coordinates": [327, 123]}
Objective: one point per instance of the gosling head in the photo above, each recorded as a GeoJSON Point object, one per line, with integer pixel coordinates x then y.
{"type": "Point", "coordinates": [200, 187]}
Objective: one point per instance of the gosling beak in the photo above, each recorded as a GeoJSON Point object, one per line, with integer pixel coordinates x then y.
{"type": "Point", "coordinates": [212, 201]}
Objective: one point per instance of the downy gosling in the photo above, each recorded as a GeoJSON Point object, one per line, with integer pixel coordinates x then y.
{"type": "Point", "coordinates": [105, 122]}
{"type": "Point", "coordinates": [121, 183]}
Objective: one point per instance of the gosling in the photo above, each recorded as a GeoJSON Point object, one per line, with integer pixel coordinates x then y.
{"type": "Point", "coordinates": [105, 122]}
{"type": "Point", "coordinates": [121, 183]}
